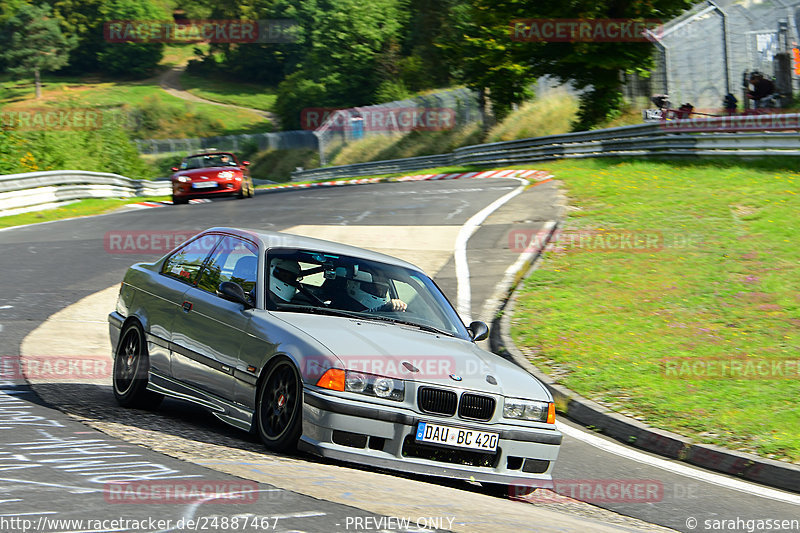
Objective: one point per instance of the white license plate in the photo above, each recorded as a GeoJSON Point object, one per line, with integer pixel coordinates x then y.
{"type": "Point", "coordinates": [204, 185]}
{"type": "Point", "coordinates": [458, 437]}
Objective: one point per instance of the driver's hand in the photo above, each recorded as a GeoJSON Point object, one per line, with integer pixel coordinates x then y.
{"type": "Point", "coordinates": [397, 305]}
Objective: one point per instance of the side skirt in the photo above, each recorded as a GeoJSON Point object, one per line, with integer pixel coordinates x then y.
{"type": "Point", "coordinates": [230, 413]}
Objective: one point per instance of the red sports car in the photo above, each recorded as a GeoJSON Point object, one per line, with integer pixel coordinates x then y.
{"type": "Point", "coordinates": [211, 174]}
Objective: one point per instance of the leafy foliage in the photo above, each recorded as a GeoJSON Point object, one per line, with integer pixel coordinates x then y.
{"type": "Point", "coordinates": [35, 43]}
{"type": "Point", "coordinates": [130, 59]}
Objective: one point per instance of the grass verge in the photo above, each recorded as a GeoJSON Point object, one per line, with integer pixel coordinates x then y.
{"type": "Point", "coordinates": [130, 97]}
{"type": "Point", "coordinates": [225, 92]}
{"type": "Point", "coordinates": [724, 287]}
{"type": "Point", "coordinates": [81, 208]}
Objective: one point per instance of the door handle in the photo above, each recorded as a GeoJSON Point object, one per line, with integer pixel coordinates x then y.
{"type": "Point", "coordinates": [187, 306]}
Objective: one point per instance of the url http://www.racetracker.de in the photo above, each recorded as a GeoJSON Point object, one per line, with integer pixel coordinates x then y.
{"type": "Point", "coordinates": [750, 525]}
{"type": "Point", "coordinates": [45, 524]}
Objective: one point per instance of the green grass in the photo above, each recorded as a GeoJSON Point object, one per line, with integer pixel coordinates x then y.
{"type": "Point", "coordinates": [551, 114]}
{"type": "Point", "coordinates": [180, 54]}
{"type": "Point", "coordinates": [81, 208]}
{"type": "Point", "coordinates": [226, 92]}
{"type": "Point", "coordinates": [725, 285]}
{"type": "Point", "coordinates": [413, 144]}
{"type": "Point", "coordinates": [127, 96]}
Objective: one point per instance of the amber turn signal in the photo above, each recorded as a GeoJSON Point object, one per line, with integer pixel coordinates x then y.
{"type": "Point", "coordinates": [332, 379]}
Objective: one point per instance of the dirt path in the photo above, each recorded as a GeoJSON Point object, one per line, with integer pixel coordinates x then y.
{"type": "Point", "coordinates": [170, 81]}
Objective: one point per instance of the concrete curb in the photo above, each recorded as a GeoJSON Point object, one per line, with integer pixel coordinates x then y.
{"type": "Point", "coordinates": [622, 428]}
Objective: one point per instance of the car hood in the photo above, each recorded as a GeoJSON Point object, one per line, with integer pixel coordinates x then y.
{"type": "Point", "coordinates": [387, 349]}
{"type": "Point", "coordinates": [210, 172]}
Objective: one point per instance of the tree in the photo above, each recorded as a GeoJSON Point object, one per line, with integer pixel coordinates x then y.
{"type": "Point", "coordinates": [490, 56]}
{"type": "Point", "coordinates": [132, 59]}
{"type": "Point", "coordinates": [36, 43]}
{"type": "Point", "coordinates": [340, 43]}
{"type": "Point", "coordinates": [482, 55]}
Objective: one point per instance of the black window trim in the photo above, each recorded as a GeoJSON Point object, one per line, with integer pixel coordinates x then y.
{"type": "Point", "coordinates": [211, 253]}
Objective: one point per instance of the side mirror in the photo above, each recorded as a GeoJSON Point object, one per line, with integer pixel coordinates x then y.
{"type": "Point", "coordinates": [245, 163]}
{"type": "Point", "coordinates": [233, 292]}
{"type": "Point", "coordinates": [174, 169]}
{"type": "Point", "coordinates": [478, 330]}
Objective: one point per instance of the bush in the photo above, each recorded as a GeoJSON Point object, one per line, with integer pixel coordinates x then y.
{"type": "Point", "coordinates": [155, 119]}
{"type": "Point", "coordinates": [296, 93]}
{"type": "Point", "coordinates": [135, 60]}
{"type": "Point", "coordinates": [106, 149]}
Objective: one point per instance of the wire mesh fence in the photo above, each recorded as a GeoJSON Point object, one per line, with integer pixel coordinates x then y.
{"type": "Point", "coordinates": [284, 140]}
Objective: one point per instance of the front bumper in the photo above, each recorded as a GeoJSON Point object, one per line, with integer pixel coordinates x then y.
{"type": "Point", "coordinates": [384, 437]}
{"type": "Point", "coordinates": [223, 188]}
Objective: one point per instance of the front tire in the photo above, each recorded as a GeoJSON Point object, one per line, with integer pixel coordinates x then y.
{"type": "Point", "coordinates": [279, 416]}
{"type": "Point", "coordinates": [131, 368]}
{"type": "Point", "coordinates": [177, 200]}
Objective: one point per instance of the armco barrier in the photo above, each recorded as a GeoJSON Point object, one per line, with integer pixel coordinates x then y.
{"type": "Point", "coordinates": [377, 167]}
{"type": "Point", "coordinates": [654, 139]}
{"type": "Point", "coordinates": [38, 190]}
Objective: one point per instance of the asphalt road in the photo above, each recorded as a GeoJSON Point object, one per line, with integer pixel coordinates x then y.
{"type": "Point", "coordinates": [50, 266]}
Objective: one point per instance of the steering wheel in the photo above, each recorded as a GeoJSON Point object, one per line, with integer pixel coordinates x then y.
{"type": "Point", "coordinates": [310, 294]}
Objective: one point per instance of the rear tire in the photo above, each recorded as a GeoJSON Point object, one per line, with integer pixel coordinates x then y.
{"type": "Point", "coordinates": [279, 407]}
{"type": "Point", "coordinates": [131, 369]}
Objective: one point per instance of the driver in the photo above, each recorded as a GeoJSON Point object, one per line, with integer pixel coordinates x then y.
{"type": "Point", "coordinates": [372, 295]}
{"type": "Point", "coordinates": [283, 276]}
{"type": "Point", "coordinates": [226, 161]}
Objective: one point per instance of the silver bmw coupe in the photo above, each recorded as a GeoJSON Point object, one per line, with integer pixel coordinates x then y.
{"type": "Point", "coordinates": [331, 349]}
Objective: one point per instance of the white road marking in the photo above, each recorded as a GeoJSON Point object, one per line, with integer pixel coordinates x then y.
{"type": "Point", "coordinates": [71, 488]}
{"type": "Point", "coordinates": [492, 304]}
{"type": "Point", "coordinates": [6, 306]}
{"type": "Point", "coordinates": [677, 468]}
{"type": "Point", "coordinates": [301, 514]}
{"type": "Point", "coordinates": [464, 294]}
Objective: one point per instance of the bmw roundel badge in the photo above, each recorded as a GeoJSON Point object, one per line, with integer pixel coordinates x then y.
{"type": "Point", "coordinates": [455, 377]}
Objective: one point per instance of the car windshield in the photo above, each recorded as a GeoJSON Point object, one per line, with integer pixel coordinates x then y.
{"type": "Point", "coordinates": [208, 161]}
{"type": "Point", "coordinates": [321, 283]}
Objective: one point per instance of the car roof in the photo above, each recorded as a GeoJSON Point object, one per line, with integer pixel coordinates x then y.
{"type": "Point", "coordinates": [275, 239]}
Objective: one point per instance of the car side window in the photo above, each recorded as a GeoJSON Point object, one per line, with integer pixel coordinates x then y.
{"type": "Point", "coordinates": [186, 262]}
{"type": "Point", "coordinates": [234, 260]}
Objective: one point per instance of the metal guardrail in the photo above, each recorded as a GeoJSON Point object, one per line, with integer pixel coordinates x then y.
{"type": "Point", "coordinates": [677, 138]}
{"type": "Point", "coordinates": [377, 167]}
{"type": "Point", "coordinates": [32, 191]}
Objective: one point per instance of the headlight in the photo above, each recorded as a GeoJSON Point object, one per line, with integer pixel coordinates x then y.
{"type": "Point", "coordinates": [362, 383]}
{"type": "Point", "coordinates": [184, 179]}
{"type": "Point", "coordinates": [226, 175]}
{"type": "Point", "coordinates": [355, 382]}
{"type": "Point", "coordinates": [382, 387]}
{"type": "Point", "coordinates": [529, 410]}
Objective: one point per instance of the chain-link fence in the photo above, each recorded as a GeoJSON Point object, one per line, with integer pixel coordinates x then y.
{"type": "Point", "coordinates": [703, 54]}
{"type": "Point", "coordinates": [432, 112]}
{"type": "Point", "coordinates": [284, 140]}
